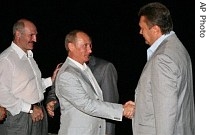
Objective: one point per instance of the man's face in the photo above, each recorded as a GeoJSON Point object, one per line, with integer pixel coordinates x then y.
{"type": "Point", "coordinates": [28, 37]}
{"type": "Point", "coordinates": [146, 31]}
{"type": "Point", "coordinates": [82, 48]}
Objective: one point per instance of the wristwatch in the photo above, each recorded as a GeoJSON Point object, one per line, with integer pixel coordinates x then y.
{"type": "Point", "coordinates": [31, 110]}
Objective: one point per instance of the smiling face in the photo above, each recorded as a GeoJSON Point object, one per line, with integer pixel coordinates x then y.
{"type": "Point", "coordinates": [26, 37]}
{"type": "Point", "coordinates": [81, 49]}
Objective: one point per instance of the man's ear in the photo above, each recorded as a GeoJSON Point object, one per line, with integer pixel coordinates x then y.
{"type": "Point", "coordinates": [71, 46]}
{"type": "Point", "coordinates": [17, 34]}
{"type": "Point", "coordinates": [156, 29]}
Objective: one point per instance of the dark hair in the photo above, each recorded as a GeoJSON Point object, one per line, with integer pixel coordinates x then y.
{"type": "Point", "coordinates": [157, 14]}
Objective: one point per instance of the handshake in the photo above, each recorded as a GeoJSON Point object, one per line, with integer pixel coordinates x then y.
{"type": "Point", "coordinates": [129, 109]}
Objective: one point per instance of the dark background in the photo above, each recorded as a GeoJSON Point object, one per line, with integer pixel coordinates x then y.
{"type": "Point", "coordinates": [113, 26]}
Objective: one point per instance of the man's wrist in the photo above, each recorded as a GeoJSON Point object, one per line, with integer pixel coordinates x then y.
{"type": "Point", "coordinates": [31, 109]}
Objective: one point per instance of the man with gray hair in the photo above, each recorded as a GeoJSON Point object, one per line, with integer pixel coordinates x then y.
{"type": "Point", "coordinates": [22, 85]}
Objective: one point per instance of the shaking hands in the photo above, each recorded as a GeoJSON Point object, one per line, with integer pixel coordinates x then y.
{"type": "Point", "coordinates": [129, 109]}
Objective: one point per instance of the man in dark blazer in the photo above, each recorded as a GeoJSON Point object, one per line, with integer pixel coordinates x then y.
{"type": "Point", "coordinates": [106, 76]}
{"type": "Point", "coordinates": [164, 95]}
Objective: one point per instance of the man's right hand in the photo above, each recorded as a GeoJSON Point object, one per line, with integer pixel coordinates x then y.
{"type": "Point", "coordinates": [50, 108]}
{"type": "Point", "coordinates": [129, 109]}
{"type": "Point", "coordinates": [37, 114]}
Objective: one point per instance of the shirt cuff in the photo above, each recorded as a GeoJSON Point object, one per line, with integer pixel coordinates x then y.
{"type": "Point", "coordinates": [48, 82]}
{"type": "Point", "coordinates": [26, 107]}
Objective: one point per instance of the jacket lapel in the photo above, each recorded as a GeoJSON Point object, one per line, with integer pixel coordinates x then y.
{"type": "Point", "coordinates": [85, 77]}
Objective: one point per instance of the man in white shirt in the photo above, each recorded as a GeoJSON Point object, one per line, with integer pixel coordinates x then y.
{"type": "Point", "coordinates": [21, 85]}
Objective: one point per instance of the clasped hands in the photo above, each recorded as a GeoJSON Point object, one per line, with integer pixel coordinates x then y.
{"type": "Point", "coordinates": [37, 114]}
{"type": "Point", "coordinates": [129, 109]}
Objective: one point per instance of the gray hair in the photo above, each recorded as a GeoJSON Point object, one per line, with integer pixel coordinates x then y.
{"type": "Point", "coordinates": [19, 26]}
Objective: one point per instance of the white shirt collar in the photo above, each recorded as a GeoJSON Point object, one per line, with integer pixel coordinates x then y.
{"type": "Point", "coordinates": [82, 67]}
{"type": "Point", "coordinates": [156, 44]}
{"type": "Point", "coordinates": [20, 52]}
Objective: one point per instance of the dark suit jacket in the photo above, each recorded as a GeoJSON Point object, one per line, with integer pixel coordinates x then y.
{"type": "Point", "coordinates": [106, 76]}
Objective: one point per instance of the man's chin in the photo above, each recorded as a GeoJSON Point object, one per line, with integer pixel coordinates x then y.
{"type": "Point", "coordinates": [31, 47]}
{"type": "Point", "coordinates": [87, 59]}
{"type": "Point", "coordinates": [146, 42]}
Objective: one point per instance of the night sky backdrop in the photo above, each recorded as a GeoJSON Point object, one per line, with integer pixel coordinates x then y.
{"type": "Point", "coordinates": [113, 26]}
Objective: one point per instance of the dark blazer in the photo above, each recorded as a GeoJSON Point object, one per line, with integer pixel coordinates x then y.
{"type": "Point", "coordinates": [164, 95]}
{"type": "Point", "coordinates": [106, 76]}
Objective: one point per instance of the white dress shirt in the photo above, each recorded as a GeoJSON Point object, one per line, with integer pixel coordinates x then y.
{"type": "Point", "coordinates": [20, 80]}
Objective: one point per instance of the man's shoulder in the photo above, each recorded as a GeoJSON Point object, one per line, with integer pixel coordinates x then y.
{"type": "Point", "coordinates": [99, 61]}
{"type": "Point", "coordinates": [8, 54]}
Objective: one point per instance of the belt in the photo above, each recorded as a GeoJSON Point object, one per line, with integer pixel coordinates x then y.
{"type": "Point", "coordinates": [39, 103]}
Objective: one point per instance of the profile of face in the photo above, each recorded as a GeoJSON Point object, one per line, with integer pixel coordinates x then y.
{"type": "Point", "coordinates": [82, 48]}
{"type": "Point", "coordinates": [146, 31]}
{"type": "Point", "coordinates": [27, 37]}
